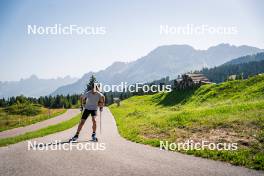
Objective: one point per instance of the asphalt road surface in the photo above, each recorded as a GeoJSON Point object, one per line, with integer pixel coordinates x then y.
{"type": "Point", "coordinates": [120, 157]}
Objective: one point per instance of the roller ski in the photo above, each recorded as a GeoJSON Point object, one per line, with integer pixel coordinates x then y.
{"type": "Point", "coordinates": [74, 138]}
{"type": "Point", "coordinates": [94, 138]}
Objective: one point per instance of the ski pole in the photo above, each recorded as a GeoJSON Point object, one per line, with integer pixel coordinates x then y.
{"type": "Point", "coordinates": [101, 109]}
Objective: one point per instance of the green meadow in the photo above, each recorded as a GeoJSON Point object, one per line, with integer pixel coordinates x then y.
{"type": "Point", "coordinates": [230, 112]}
{"type": "Point", "coordinates": [23, 114]}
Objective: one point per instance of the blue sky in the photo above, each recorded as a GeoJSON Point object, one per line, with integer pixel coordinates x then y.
{"type": "Point", "coordinates": [132, 30]}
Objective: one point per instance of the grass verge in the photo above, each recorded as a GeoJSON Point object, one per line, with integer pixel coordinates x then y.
{"type": "Point", "coordinates": [9, 121]}
{"type": "Point", "coordinates": [41, 132]}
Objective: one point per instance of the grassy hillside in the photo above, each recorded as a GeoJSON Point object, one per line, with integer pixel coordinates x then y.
{"type": "Point", "coordinates": [231, 112]}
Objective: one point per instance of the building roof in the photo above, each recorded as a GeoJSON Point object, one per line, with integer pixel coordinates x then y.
{"type": "Point", "coordinates": [198, 77]}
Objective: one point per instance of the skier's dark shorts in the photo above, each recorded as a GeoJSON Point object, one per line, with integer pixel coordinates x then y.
{"type": "Point", "coordinates": [87, 112]}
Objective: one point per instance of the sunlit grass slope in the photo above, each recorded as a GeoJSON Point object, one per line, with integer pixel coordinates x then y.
{"type": "Point", "coordinates": [231, 112]}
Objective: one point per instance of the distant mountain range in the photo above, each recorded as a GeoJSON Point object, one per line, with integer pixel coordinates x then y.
{"type": "Point", "coordinates": [169, 60]}
{"type": "Point", "coordinates": [245, 66]}
{"type": "Point", "coordinates": [246, 59]}
{"type": "Point", "coordinates": [33, 86]}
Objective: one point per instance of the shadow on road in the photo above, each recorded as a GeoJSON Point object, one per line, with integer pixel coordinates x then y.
{"type": "Point", "coordinates": [61, 142]}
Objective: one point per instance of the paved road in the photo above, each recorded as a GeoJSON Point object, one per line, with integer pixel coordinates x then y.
{"type": "Point", "coordinates": [121, 157]}
{"type": "Point", "coordinates": [55, 120]}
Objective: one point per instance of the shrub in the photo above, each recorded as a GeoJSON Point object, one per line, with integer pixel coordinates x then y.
{"type": "Point", "coordinates": [27, 109]}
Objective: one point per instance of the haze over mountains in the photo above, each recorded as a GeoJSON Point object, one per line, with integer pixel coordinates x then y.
{"type": "Point", "coordinates": [168, 60]}
{"type": "Point", "coordinates": [246, 59]}
{"type": "Point", "coordinates": [33, 86]}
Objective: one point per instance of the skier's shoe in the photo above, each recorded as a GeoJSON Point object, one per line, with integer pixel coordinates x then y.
{"type": "Point", "coordinates": [94, 138]}
{"type": "Point", "coordinates": [74, 138]}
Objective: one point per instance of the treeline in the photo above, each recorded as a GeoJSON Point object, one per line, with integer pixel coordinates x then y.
{"type": "Point", "coordinates": [243, 71]}
{"type": "Point", "coordinates": [110, 97]}
{"type": "Point", "coordinates": [58, 101]}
